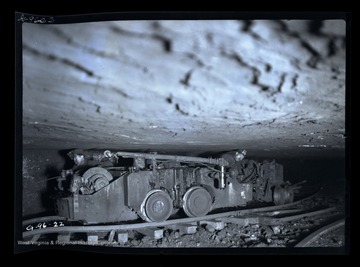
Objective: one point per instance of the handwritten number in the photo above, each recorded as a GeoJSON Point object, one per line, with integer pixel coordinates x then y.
{"type": "Point", "coordinates": [22, 18]}
{"type": "Point", "coordinates": [42, 20]}
{"type": "Point", "coordinates": [43, 225]}
{"type": "Point", "coordinates": [29, 228]}
{"type": "Point", "coordinates": [58, 224]}
{"type": "Point", "coordinates": [33, 19]}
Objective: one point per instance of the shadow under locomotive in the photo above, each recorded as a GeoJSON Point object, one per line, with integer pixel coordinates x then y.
{"type": "Point", "coordinates": [105, 187]}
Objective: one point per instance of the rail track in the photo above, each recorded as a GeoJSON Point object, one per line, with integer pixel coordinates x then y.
{"type": "Point", "coordinates": [270, 215]}
{"type": "Point", "coordinates": [310, 239]}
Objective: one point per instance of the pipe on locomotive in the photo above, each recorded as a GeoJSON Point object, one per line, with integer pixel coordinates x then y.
{"type": "Point", "coordinates": [153, 156]}
{"type": "Point", "coordinates": [80, 157]}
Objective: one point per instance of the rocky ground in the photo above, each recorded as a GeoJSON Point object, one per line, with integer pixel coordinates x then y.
{"type": "Point", "coordinates": [253, 235]}
{"type": "Point", "coordinates": [284, 235]}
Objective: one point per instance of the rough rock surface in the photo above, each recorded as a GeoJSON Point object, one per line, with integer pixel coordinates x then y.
{"type": "Point", "coordinates": [271, 87]}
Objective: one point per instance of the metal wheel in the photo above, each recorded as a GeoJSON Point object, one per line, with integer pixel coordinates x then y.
{"type": "Point", "coordinates": [283, 195]}
{"type": "Point", "coordinates": [97, 178]}
{"type": "Point", "coordinates": [157, 206]}
{"type": "Point", "coordinates": [197, 202]}
{"type": "Point", "coordinates": [279, 195]}
{"type": "Point", "coordinates": [289, 194]}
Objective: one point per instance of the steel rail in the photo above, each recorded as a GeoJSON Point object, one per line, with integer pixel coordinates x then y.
{"type": "Point", "coordinates": [268, 220]}
{"type": "Point", "coordinates": [303, 215]}
{"type": "Point", "coordinates": [307, 241]}
{"type": "Point", "coordinates": [133, 226]}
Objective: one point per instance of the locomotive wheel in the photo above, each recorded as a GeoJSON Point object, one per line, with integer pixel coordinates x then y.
{"type": "Point", "coordinates": [279, 195]}
{"type": "Point", "coordinates": [289, 194]}
{"type": "Point", "coordinates": [197, 202]}
{"type": "Point", "coordinates": [283, 195]}
{"type": "Point", "coordinates": [157, 206]}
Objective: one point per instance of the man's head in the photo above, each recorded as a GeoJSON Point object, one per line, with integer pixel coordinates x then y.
{"type": "Point", "coordinates": [240, 155]}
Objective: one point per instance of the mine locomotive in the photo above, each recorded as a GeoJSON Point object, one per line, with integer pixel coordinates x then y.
{"type": "Point", "coordinates": [105, 186]}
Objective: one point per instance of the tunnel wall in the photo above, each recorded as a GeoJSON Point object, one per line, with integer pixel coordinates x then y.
{"type": "Point", "coordinates": [38, 167]}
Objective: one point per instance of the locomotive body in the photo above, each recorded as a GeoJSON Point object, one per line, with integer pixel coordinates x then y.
{"type": "Point", "coordinates": [124, 186]}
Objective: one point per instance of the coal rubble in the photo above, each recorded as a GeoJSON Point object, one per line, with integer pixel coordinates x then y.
{"type": "Point", "coordinates": [252, 235]}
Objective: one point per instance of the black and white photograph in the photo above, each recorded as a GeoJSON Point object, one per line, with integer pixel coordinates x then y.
{"type": "Point", "coordinates": [182, 133]}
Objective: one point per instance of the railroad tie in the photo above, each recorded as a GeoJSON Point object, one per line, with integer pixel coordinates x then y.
{"type": "Point", "coordinates": [184, 228]}
{"type": "Point", "coordinates": [242, 221]}
{"type": "Point", "coordinates": [217, 225]}
{"type": "Point", "coordinates": [155, 233]}
{"type": "Point", "coordinates": [123, 237]}
{"type": "Point", "coordinates": [92, 239]}
{"type": "Point", "coordinates": [111, 236]}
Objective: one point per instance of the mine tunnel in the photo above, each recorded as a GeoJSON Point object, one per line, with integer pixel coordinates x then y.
{"type": "Point", "coordinates": [184, 87]}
